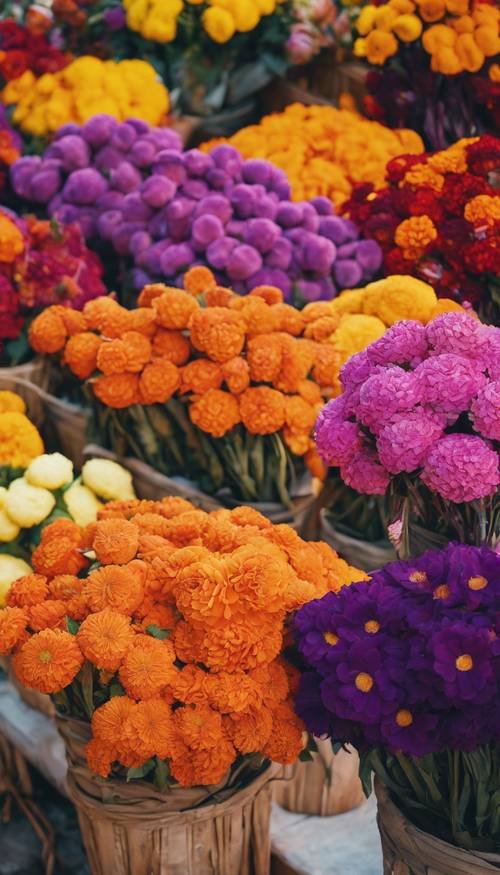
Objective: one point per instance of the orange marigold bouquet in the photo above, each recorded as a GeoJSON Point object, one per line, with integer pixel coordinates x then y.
{"type": "Point", "coordinates": [203, 383]}
{"type": "Point", "coordinates": [164, 627]}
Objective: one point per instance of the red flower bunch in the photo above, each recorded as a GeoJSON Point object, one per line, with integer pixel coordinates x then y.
{"type": "Point", "coordinates": [23, 49]}
{"type": "Point", "coordinates": [438, 218]}
{"type": "Point", "coordinates": [41, 264]}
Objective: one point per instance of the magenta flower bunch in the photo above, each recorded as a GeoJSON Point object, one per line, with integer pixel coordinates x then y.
{"type": "Point", "coordinates": [164, 210]}
{"type": "Point", "coordinates": [422, 402]}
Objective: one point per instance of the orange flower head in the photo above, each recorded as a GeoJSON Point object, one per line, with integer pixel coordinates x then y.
{"type": "Point", "coordinates": [11, 240]}
{"type": "Point", "coordinates": [117, 390]}
{"type": "Point", "coordinates": [264, 357]}
{"type": "Point", "coordinates": [315, 463]}
{"type": "Point", "coordinates": [172, 346]}
{"type": "Point", "coordinates": [242, 645]}
{"type": "Point", "coordinates": [147, 668]}
{"type": "Point", "coordinates": [175, 308]}
{"type": "Point", "coordinates": [258, 316]}
{"type": "Point", "coordinates": [297, 358]}
{"type": "Point", "coordinates": [143, 320]}
{"type": "Point", "coordinates": [59, 550]}
{"type": "Point", "coordinates": [137, 351]}
{"type": "Point", "coordinates": [250, 730]}
{"type": "Point", "coordinates": [151, 523]}
{"type": "Point", "coordinates": [80, 354]}
{"type": "Point", "coordinates": [107, 316]}
{"type": "Point", "coordinates": [112, 357]}
{"type": "Point", "coordinates": [233, 692]}
{"type": "Point", "coordinates": [198, 280]}
{"type": "Point", "coordinates": [310, 392]}
{"type": "Point", "coordinates": [149, 293]}
{"type": "Point", "coordinates": [322, 329]}
{"type": "Point", "coordinates": [118, 587]}
{"type": "Point", "coordinates": [215, 412]}
{"type": "Point", "coordinates": [199, 726]}
{"type": "Point", "coordinates": [188, 643]}
{"type": "Point", "coordinates": [162, 616]}
{"type": "Point", "coordinates": [300, 415]}
{"type": "Point", "coordinates": [289, 320]}
{"type": "Point", "coordinates": [483, 210]}
{"type": "Point", "coordinates": [149, 729]}
{"type": "Point", "coordinates": [104, 638]}
{"type": "Point", "coordinates": [74, 321]}
{"type": "Point", "coordinates": [108, 719]}
{"type": "Point", "coordinates": [190, 685]}
{"type": "Point", "coordinates": [218, 332]}
{"type": "Point", "coordinates": [47, 615]}
{"type": "Point", "coordinates": [124, 510]}
{"type": "Point", "coordinates": [28, 591]}
{"type": "Point", "coordinates": [218, 296]}
{"type": "Point", "coordinates": [236, 374]}
{"type": "Point", "coordinates": [262, 410]}
{"type": "Point", "coordinates": [201, 375]}
{"type": "Point", "coordinates": [158, 382]}
{"type": "Point", "coordinates": [203, 767]}
{"type": "Point", "coordinates": [326, 369]}
{"type": "Point", "coordinates": [270, 294]}
{"type": "Point", "coordinates": [115, 541]}
{"type": "Point", "coordinates": [13, 622]}
{"type": "Point", "coordinates": [274, 681]}
{"type": "Point", "coordinates": [48, 661]}
{"type": "Point", "coordinates": [47, 332]}
{"type": "Point", "coordinates": [248, 516]}
{"type": "Point", "coordinates": [65, 586]}
{"type": "Point", "coordinates": [414, 235]}
{"type": "Point", "coordinates": [204, 594]}
{"type": "Point", "coordinates": [99, 757]}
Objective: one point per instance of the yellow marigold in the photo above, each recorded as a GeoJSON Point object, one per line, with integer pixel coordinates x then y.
{"type": "Point", "coordinates": [11, 240]}
{"type": "Point", "coordinates": [201, 375]}
{"type": "Point", "coordinates": [250, 730]}
{"type": "Point", "coordinates": [171, 345]}
{"type": "Point", "coordinates": [380, 46]}
{"type": "Point", "coordinates": [20, 441]}
{"type": "Point", "coordinates": [431, 10]}
{"type": "Point", "coordinates": [147, 668]}
{"type": "Point", "coordinates": [11, 403]}
{"type": "Point", "coordinates": [483, 208]}
{"type": "Point", "coordinates": [117, 390]}
{"type": "Point", "coordinates": [80, 354]}
{"type": "Point", "coordinates": [400, 297]}
{"type": "Point", "coordinates": [407, 27]}
{"type": "Point", "coordinates": [104, 638]}
{"type": "Point", "coordinates": [423, 174]}
{"type": "Point", "coordinates": [218, 332]}
{"type": "Point", "coordinates": [198, 280]}
{"type": "Point", "coordinates": [262, 410]}
{"type": "Point", "coordinates": [47, 332]}
{"type": "Point", "coordinates": [414, 235]}
{"type": "Point", "coordinates": [115, 541]}
{"type": "Point", "coordinates": [13, 622]}
{"type": "Point", "coordinates": [158, 382]}
{"type": "Point", "coordinates": [215, 412]}
{"type": "Point", "coordinates": [48, 661]}
{"type": "Point", "coordinates": [452, 160]}
{"type": "Point", "coordinates": [174, 308]}
{"type": "Point", "coordinates": [446, 305]}
{"type": "Point", "coordinates": [236, 374]}
{"type": "Point", "coordinates": [355, 333]}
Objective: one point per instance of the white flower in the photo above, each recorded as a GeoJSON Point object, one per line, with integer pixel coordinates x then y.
{"type": "Point", "coordinates": [50, 471]}
{"type": "Point", "coordinates": [9, 530]}
{"type": "Point", "coordinates": [108, 480]}
{"type": "Point", "coordinates": [81, 503]}
{"type": "Point", "coordinates": [28, 505]}
{"type": "Point", "coordinates": [11, 569]}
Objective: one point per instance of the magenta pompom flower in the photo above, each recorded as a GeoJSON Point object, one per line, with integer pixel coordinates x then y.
{"type": "Point", "coordinates": [462, 467]}
{"type": "Point", "coordinates": [449, 382]}
{"type": "Point", "coordinates": [403, 443]}
{"type": "Point", "coordinates": [402, 343]}
{"type": "Point", "coordinates": [458, 333]}
{"type": "Point", "coordinates": [387, 393]}
{"type": "Point", "coordinates": [363, 471]}
{"type": "Point", "coordinates": [485, 411]}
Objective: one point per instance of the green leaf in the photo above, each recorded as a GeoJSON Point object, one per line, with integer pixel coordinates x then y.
{"type": "Point", "coordinates": [162, 774]}
{"type": "Point", "coordinates": [135, 774]}
{"type": "Point", "coordinates": [116, 689]}
{"type": "Point", "coordinates": [156, 632]}
{"type": "Point", "coordinates": [72, 626]}
{"type": "Point", "coordinates": [305, 756]}
{"type": "Point", "coordinates": [365, 773]}
{"type": "Point", "coordinates": [86, 678]}
{"type": "Point", "coordinates": [18, 350]}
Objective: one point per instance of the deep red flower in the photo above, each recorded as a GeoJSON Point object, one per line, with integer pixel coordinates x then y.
{"type": "Point", "coordinates": [483, 156]}
{"type": "Point", "coordinates": [12, 35]}
{"type": "Point", "coordinates": [13, 64]}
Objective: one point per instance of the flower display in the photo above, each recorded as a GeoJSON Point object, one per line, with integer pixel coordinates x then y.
{"type": "Point", "coordinates": [41, 263]}
{"type": "Point", "coordinates": [439, 219]}
{"type": "Point", "coordinates": [23, 51]}
{"type": "Point", "coordinates": [86, 87]}
{"type": "Point", "coordinates": [165, 210]}
{"type": "Point", "coordinates": [10, 145]}
{"type": "Point", "coordinates": [180, 620]}
{"type": "Point", "coordinates": [324, 150]}
{"type": "Point", "coordinates": [436, 57]}
{"type": "Point", "coordinates": [20, 440]}
{"type": "Point", "coordinates": [313, 29]}
{"type": "Point", "coordinates": [406, 668]}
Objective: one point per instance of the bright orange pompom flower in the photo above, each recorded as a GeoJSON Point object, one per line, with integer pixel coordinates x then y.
{"type": "Point", "coordinates": [59, 550]}
{"type": "Point", "coordinates": [158, 382]}
{"type": "Point", "coordinates": [99, 757]}
{"type": "Point", "coordinates": [218, 332]}
{"type": "Point", "coordinates": [80, 354]}
{"type": "Point", "coordinates": [47, 332]}
{"type": "Point", "coordinates": [172, 346]}
{"type": "Point", "coordinates": [147, 668]}
{"type": "Point", "coordinates": [104, 638]}
{"type": "Point", "coordinates": [114, 586]}
{"type": "Point", "coordinates": [174, 308]}
{"type": "Point", "coordinates": [250, 730]}
{"type": "Point", "coordinates": [286, 740]}
{"type": "Point", "coordinates": [201, 375]}
{"type": "Point", "coordinates": [117, 390]}
{"type": "Point", "coordinates": [28, 591]}
{"type": "Point", "coordinates": [137, 351]}
{"type": "Point", "coordinates": [115, 541]}
{"type": "Point", "coordinates": [262, 410]}
{"type": "Point", "coordinates": [48, 661]}
{"type": "Point", "coordinates": [13, 622]}
{"type": "Point", "coordinates": [108, 720]}
{"type": "Point", "coordinates": [112, 357]}
{"type": "Point", "coordinates": [149, 729]}
{"type": "Point", "coordinates": [198, 280]}
{"type": "Point", "coordinates": [236, 375]}
{"type": "Point", "coordinates": [49, 614]}
{"type": "Point", "coordinates": [215, 412]}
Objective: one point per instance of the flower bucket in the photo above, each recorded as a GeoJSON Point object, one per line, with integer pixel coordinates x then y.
{"type": "Point", "coordinates": [362, 554]}
{"type": "Point", "coordinates": [34, 373]}
{"type": "Point", "coordinates": [409, 851]}
{"type": "Point", "coordinates": [326, 786]}
{"type": "Point", "coordinates": [133, 829]}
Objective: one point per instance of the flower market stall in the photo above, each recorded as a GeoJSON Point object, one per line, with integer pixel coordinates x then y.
{"type": "Point", "coordinates": [249, 437]}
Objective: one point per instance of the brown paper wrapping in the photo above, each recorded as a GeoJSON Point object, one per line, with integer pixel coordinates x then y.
{"type": "Point", "coordinates": [328, 785]}
{"type": "Point", "coordinates": [409, 851]}
{"type": "Point", "coordinates": [133, 829]}
{"type": "Point", "coordinates": [361, 554]}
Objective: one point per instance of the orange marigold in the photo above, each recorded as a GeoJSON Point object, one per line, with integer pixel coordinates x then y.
{"type": "Point", "coordinates": [201, 375]}
{"type": "Point", "coordinates": [262, 410]}
{"type": "Point", "coordinates": [59, 550]}
{"type": "Point", "coordinates": [137, 351]}
{"type": "Point", "coordinates": [162, 616]}
{"type": "Point", "coordinates": [99, 757]}
{"type": "Point", "coordinates": [236, 373]}
{"type": "Point", "coordinates": [47, 332]}
{"type": "Point", "coordinates": [310, 392]}
{"type": "Point", "coordinates": [149, 729]}
{"type": "Point", "coordinates": [218, 296]}
{"type": "Point", "coordinates": [117, 390]}
{"type": "Point", "coordinates": [124, 510]}
{"type": "Point", "coordinates": [65, 586]}
{"type": "Point", "coordinates": [198, 280]}
{"type": "Point", "coordinates": [233, 692]}
{"type": "Point", "coordinates": [47, 615]}
{"type": "Point", "coordinates": [188, 643]}
{"type": "Point", "coordinates": [158, 382]}
{"type": "Point", "coordinates": [13, 622]}
{"type": "Point", "coordinates": [300, 416]}
{"type": "Point", "coordinates": [104, 638]}
{"type": "Point", "coordinates": [273, 680]}
{"type": "Point", "coordinates": [27, 591]}
{"type": "Point", "coordinates": [218, 332]}
{"type": "Point", "coordinates": [483, 209]}
{"type": "Point", "coordinates": [286, 740]}
{"type": "Point", "coordinates": [326, 367]}
{"type": "Point", "coordinates": [315, 463]}
{"type": "Point", "coordinates": [143, 320]}
{"type": "Point", "coordinates": [258, 316]}
{"type": "Point", "coordinates": [204, 767]}
{"type": "Point", "coordinates": [264, 357]}
{"type": "Point", "coordinates": [149, 293]}
{"type": "Point", "coordinates": [112, 357]}
{"type": "Point", "coordinates": [114, 586]}
{"type": "Point", "coordinates": [48, 661]}
{"type": "Point", "coordinates": [322, 329]}
{"type": "Point", "coordinates": [190, 685]}
{"type": "Point", "coordinates": [297, 359]}
{"type": "Point", "coordinates": [199, 726]}
{"type": "Point", "coordinates": [80, 354]}
{"type": "Point", "coordinates": [115, 541]}
{"type": "Point", "coordinates": [250, 730]}
{"type": "Point", "coordinates": [215, 412]}
{"type": "Point", "coordinates": [414, 235]}
{"type": "Point", "coordinates": [107, 316]}
{"type": "Point", "coordinates": [147, 668]}
{"type": "Point", "coordinates": [271, 294]}
{"type": "Point", "coordinates": [108, 720]}
{"type": "Point", "coordinates": [174, 308]}
{"type": "Point", "coordinates": [74, 321]}
{"type": "Point", "coordinates": [242, 645]}
{"type": "Point", "coordinates": [171, 345]}
{"type": "Point", "coordinates": [289, 319]}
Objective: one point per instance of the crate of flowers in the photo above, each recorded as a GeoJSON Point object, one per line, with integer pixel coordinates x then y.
{"type": "Point", "coordinates": [406, 668]}
{"type": "Point", "coordinates": [158, 632]}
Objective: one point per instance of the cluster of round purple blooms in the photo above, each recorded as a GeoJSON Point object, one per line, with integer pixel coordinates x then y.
{"type": "Point", "coordinates": [422, 401]}
{"type": "Point", "coordinates": [166, 210]}
{"type": "Point", "coordinates": [409, 661]}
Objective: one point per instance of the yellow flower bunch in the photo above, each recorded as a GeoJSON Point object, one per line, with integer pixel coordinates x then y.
{"type": "Point", "coordinates": [323, 150]}
{"type": "Point", "coordinates": [221, 19]}
{"type": "Point", "coordinates": [20, 441]}
{"type": "Point", "coordinates": [87, 87]}
{"type": "Point", "coordinates": [458, 34]}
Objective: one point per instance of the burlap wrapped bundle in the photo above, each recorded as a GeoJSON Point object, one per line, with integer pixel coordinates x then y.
{"type": "Point", "coordinates": [409, 851]}
{"type": "Point", "coordinates": [328, 785]}
{"type": "Point", "coordinates": [134, 829]}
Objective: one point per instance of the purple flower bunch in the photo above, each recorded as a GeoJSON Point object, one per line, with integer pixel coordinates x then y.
{"type": "Point", "coordinates": [409, 661]}
{"type": "Point", "coordinates": [421, 401]}
{"type": "Point", "coordinates": [167, 210]}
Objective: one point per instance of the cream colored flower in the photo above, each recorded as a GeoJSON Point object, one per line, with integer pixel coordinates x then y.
{"type": "Point", "coordinates": [108, 480]}
{"type": "Point", "coordinates": [28, 505]}
{"type": "Point", "coordinates": [50, 471]}
{"type": "Point", "coordinates": [11, 568]}
{"type": "Point", "coordinates": [81, 503]}
{"type": "Point", "coordinates": [9, 530]}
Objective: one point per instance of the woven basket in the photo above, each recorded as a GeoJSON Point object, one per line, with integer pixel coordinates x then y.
{"type": "Point", "coordinates": [21, 378]}
{"type": "Point", "coordinates": [409, 851]}
{"type": "Point", "coordinates": [361, 554]}
{"type": "Point", "coordinates": [133, 829]}
{"type": "Point", "coordinates": [326, 786]}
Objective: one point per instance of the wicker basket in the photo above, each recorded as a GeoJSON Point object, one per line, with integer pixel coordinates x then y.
{"type": "Point", "coordinates": [133, 829]}
{"type": "Point", "coordinates": [409, 851]}
{"type": "Point", "coordinates": [328, 785]}
{"type": "Point", "coordinates": [362, 554]}
{"type": "Point", "coordinates": [21, 378]}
